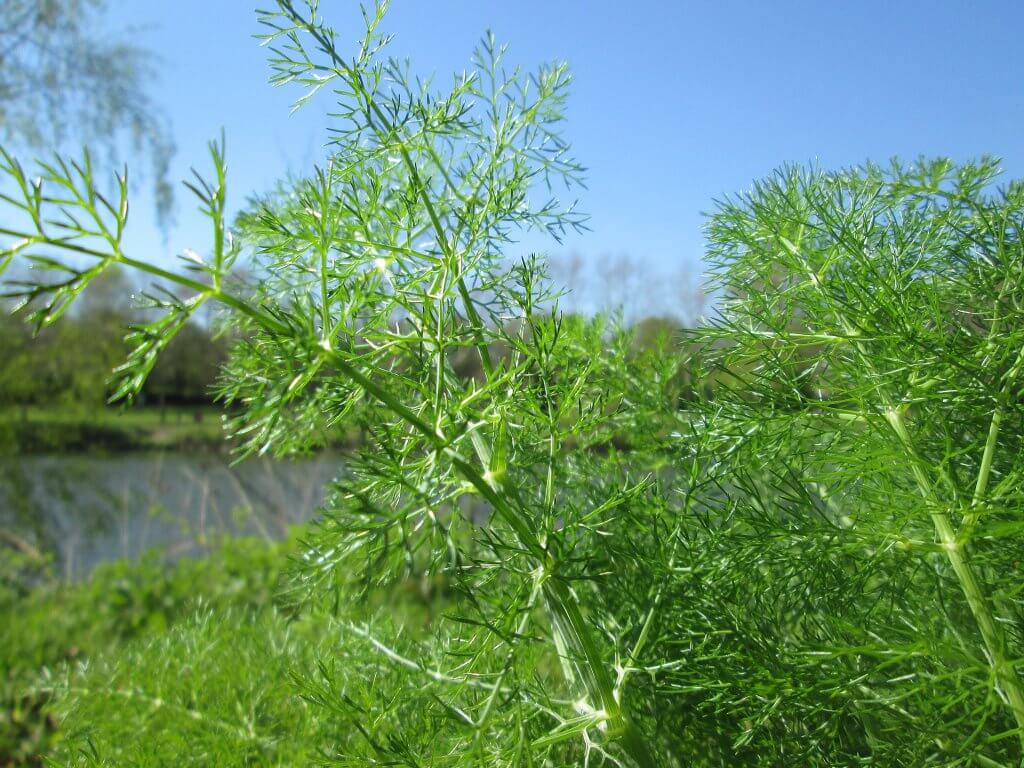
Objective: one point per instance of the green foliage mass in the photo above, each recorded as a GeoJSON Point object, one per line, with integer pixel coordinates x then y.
{"type": "Point", "coordinates": [194, 663]}
{"type": "Point", "coordinates": [867, 464]}
{"type": "Point", "coordinates": [814, 562]}
{"type": "Point", "coordinates": [48, 630]}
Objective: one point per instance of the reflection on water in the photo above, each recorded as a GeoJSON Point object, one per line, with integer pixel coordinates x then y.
{"type": "Point", "coordinates": [87, 510]}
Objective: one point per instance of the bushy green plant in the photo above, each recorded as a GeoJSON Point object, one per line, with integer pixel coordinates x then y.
{"type": "Point", "coordinates": [862, 473]}
{"type": "Point", "coordinates": [371, 273]}
{"type": "Point", "coordinates": [214, 692]}
{"type": "Point", "coordinates": [814, 564]}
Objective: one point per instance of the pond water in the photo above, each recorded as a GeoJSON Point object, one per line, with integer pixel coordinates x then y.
{"type": "Point", "coordinates": [87, 510]}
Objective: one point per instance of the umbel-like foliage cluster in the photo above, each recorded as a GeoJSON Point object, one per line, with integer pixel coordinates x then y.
{"type": "Point", "coordinates": [815, 562]}
{"type": "Point", "coordinates": [865, 448]}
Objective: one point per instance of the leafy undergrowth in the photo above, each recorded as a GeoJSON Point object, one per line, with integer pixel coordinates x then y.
{"type": "Point", "coordinates": [149, 665]}
{"type": "Point", "coordinates": [55, 625]}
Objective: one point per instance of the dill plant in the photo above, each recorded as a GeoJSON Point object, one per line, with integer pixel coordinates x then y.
{"type": "Point", "coordinates": [814, 561]}
{"type": "Point", "coordinates": [372, 274]}
{"type": "Point", "coordinates": [861, 469]}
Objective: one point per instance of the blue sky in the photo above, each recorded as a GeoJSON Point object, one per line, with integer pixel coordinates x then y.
{"type": "Point", "coordinates": [674, 104]}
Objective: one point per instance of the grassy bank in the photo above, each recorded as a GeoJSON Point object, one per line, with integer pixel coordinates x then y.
{"type": "Point", "coordinates": [113, 430]}
{"type": "Point", "coordinates": [47, 631]}
{"type": "Point", "coordinates": [71, 430]}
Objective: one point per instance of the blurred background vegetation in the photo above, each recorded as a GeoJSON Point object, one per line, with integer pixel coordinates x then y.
{"type": "Point", "coordinates": [54, 385]}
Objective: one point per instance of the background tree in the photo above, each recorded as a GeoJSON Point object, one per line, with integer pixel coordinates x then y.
{"type": "Point", "coordinates": [62, 78]}
{"type": "Point", "coordinates": [71, 364]}
{"type": "Point", "coordinates": [17, 384]}
{"type": "Point", "coordinates": [185, 373]}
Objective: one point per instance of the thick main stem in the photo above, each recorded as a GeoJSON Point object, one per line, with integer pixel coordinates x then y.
{"type": "Point", "coordinates": [991, 631]}
{"type": "Point", "coordinates": [992, 634]}
{"type": "Point", "coordinates": [561, 602]}
{"type": "Point", "coordinates": [570, 623]}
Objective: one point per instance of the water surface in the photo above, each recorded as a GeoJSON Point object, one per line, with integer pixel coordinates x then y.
{"type": "Point", "coordinates": [87, 510]}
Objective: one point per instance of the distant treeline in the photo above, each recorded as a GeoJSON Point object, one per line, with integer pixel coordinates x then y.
{"type": "Point", "coordinates": [71, 363]}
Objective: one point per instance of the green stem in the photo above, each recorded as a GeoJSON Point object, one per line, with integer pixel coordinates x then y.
{"type": "Point", "coordinates": [562, 604]}
{"type": "Point", "coordinates": [991, 631]}
{"type": "Point", "coordinates": [989, 454]}
{"type": "Point", "coordinates": [570, 623]}
{"type": "Point", "coordinates": [985, 470]}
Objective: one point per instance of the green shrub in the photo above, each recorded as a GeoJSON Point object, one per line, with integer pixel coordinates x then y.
{"type": "Point", "coordinates": [213, 690]}
{"type": "Point", "coordinates": [815, 563]}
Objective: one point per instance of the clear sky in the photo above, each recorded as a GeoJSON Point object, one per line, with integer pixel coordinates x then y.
{"type": "Point", "coordinates": [674, 104]}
